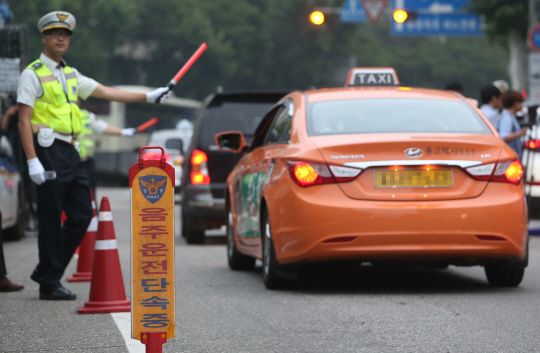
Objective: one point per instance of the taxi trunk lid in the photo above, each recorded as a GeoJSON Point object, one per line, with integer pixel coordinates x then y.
{"type": "Point", "coordinates": [407, 167]}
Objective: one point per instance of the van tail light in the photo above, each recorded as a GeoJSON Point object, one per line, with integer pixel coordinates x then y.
{"type": "Point", "coordinates": [508, 171]}
{"type": "Point", "coordinates": [309, 174]}
{"type": "Point", "coordinates": [533, 145]}
{"type": "Point", "coordinates": [199, 168]}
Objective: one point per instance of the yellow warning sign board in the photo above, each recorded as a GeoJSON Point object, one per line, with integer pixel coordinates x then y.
{"type": "Point", "coordinates": [152, 247]}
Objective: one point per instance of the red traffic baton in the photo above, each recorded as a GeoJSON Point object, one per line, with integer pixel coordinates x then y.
{"type": "Point", "coordinates": [187, 65]}
{"type": "Point", "coordinates": [184, 68]}
{"type": "Point", "coordinates": [147, 124]}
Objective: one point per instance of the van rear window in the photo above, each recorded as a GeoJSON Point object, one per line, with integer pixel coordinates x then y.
{"type": "Point", "coordinates": [233, 116]}
{"type": "Point", "coordinates": [388, 115]}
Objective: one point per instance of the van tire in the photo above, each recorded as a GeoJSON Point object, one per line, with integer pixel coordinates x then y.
{"type": "Point", "coordinates": [192, 234]}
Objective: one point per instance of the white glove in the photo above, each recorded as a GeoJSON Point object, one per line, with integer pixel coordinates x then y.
{"type": "Point", "coordinates": [159, 95]}
{"type": "Point", "coordinates": [130, 131]}
{"type": "Point", "coordinates": [36, 171]}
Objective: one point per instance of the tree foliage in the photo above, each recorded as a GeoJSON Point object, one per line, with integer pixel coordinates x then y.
{"type": "Point", "coordinates": [252, 44]}
{"type": "Point", "coordinates": [500, 16]}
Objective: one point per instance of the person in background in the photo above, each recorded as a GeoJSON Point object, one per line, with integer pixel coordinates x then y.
{"type": "Point", "coordinates": [49, 123]}
{"type": "Point", "coordinates": [9, 124]}
{"type": "Point", "coordinates": [458, 88]}
{"type": "Point", "coordinates": [490, 97]}
{"type": "Point", "coordinates": [507, 125]}
{"type": "Point", "coordinates": [93, 124]}
{"type": "Point", "coordinates": [454, 86]}
{"type": "Point", "coordinates": [5, 284]}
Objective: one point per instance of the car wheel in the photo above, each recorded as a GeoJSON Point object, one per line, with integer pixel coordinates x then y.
{"type": "Point", "coordinates": [504, 275]}
{"type": "Point", "coordinates": [274, 276]}
{"type": "Point", "coordinates": [237, 261]}
{"type": "Point", "coordinates": [192, 234]}
{"type": "Point", "coordinates": [17, 231]}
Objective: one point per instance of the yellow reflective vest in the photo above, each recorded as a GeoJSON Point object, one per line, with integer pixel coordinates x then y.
{"type": "Point", "coordinates": [85, 138]}
{"type": "Point", "coordinates": [55, 108]}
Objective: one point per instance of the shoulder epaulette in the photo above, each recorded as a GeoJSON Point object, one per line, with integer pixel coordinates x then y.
{"type": "Point", "coordinates": [37, 65]}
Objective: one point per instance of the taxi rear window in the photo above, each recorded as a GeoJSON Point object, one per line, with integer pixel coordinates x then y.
{"type": "Point", "coordinates": [388, 115]}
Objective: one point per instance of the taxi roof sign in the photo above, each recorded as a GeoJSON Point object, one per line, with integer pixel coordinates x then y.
{"type": "Point", "coordinates": [372, 77]}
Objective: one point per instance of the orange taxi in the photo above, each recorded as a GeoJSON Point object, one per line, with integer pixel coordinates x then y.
{"type": "Point", "coordinates": [375, 172]}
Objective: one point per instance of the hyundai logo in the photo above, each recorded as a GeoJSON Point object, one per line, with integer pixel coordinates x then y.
{"type": "Point", "coordinates": [413, 152]}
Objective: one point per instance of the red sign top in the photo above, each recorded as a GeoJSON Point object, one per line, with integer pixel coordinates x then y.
{"type": "Point", "coordinates": [145, 163]}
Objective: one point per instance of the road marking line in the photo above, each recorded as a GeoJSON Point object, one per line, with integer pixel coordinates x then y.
{"type": "Point", "coordinates": [123, 321]}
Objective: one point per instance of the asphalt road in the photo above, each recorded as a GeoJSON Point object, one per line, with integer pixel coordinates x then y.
{"type": "Point", "coordinates": [340, 309]}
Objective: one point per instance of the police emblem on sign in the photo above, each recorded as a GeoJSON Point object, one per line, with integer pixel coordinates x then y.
{"type": "Point", "coordinates": [153, 187]}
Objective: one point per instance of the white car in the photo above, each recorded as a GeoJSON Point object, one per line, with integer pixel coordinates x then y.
{"type": "Point", "coordinates": [11, 194]}
{"type": "Point", "coordinates": [172, 142]}
{"type": "Point", "coordinates": [531, 160]}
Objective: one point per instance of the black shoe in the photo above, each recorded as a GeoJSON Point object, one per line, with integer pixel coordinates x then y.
{"type": "Point", "coordinates": [34, 276]}
{"type": "Point", "coordinates": [59, 293]}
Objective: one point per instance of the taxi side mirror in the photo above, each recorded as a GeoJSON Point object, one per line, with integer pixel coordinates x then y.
{"type": "Point", "coordinates": [231, 141]}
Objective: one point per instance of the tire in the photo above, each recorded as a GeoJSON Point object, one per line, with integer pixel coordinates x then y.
{"type": "Point", "coordinates": [17, 231]}
{"type": "Point", "coordinates": [502, 275]}
{"type": "Point", "coordinates": [507, 274]}
{"type": "Point", "coordinates": [192, 234]}
{"type": "Point", "coordinates": [237, 261]}
{"type": "Point", "coordinates": [534, 207]}
{"type": "Point", "coordinates": [274, 276]}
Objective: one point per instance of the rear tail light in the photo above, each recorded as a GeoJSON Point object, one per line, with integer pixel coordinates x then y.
{"type": "Point", "coordinates": [533, 145]}
{"type": "Point", "coordinates": [199, 169]}
{"type": "Point", "coordinates": [509, 172]}
{"type": "Point", "coordinates": [309, 174]}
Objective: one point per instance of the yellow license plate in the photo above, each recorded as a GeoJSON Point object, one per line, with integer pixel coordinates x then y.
{"type": "Point", "coordinates": [413, 178]}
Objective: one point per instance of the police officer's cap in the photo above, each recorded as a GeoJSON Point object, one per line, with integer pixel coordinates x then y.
{"type": "Point", "coordinates": [502, 85]}
{"type": "Point", "coordinates": [57, 19]}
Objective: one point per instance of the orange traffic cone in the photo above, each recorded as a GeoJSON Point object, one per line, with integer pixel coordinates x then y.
{"type": "Point", "coordinates": [107, 293]}
{"type": "Point", "coordinates": [85, 251]}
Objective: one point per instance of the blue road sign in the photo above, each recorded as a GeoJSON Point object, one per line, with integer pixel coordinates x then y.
{"type": "Point", "coordinates": [467, 25]}
{"type": "Point", "coordinates": [352, 11]}
{"type": "Point", "coordinates": [436, 5]}
{"type": "Point", "coordinates": [436, 18]}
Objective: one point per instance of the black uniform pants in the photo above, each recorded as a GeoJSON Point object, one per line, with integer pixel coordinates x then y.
{"type": "Point", "coordinates": [69, 192]}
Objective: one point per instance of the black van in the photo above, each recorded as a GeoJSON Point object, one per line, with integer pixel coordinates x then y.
{"type": "Point", "coordinates": [206, 167]}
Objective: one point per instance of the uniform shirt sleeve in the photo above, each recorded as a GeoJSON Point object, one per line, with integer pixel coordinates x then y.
{"type": "Point", "coordinates": [29, 88]}
{"type": "Point", "coordinates": [505, 125]}
{"type": "Point", "coordinates": [87, 85]}
{"type": "Point", "coordinates": [98, 125]}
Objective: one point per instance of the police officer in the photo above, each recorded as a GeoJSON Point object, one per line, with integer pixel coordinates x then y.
{"type": "Point", "coordinates": [49, 122]}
